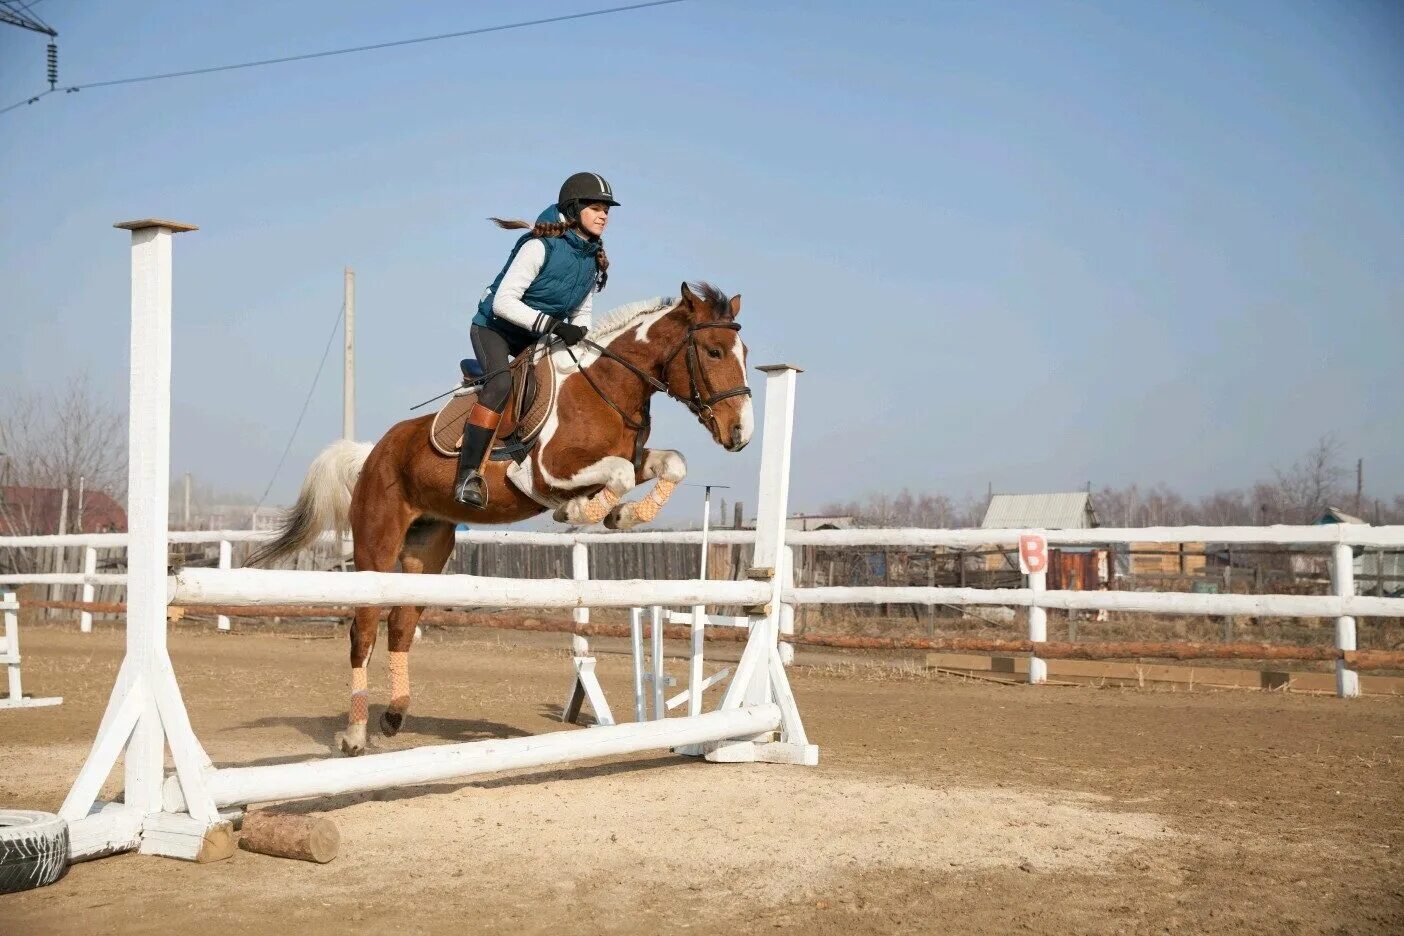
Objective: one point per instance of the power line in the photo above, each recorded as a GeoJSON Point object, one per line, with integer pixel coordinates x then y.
{"type": "Point", "coordinates": [355, 49]}
{"type": "Point", "coordinates": [305, 403]}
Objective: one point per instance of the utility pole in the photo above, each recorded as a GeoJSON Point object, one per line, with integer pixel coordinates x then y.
{"type": "Point", "coordinates": [1359, 484]}
{"type": "Point", "coordinates": [348, 380]}
{"type": "Point", "coordinates": [187, 500]}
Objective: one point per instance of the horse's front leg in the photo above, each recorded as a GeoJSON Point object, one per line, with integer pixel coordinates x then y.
{"type": "Point", "coordinates": [617, 477]}
{"type": "Point", "coordinates": [666, 468]}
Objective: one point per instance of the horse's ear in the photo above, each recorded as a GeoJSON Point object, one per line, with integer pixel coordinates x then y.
{"type": "Point", "coordinates": [686, 294]}
{"type": "Point", "coordinates": [735, 306]}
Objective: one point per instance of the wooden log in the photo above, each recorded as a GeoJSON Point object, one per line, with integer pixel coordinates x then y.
{"type": "Point", "coordinates": [306, 838]}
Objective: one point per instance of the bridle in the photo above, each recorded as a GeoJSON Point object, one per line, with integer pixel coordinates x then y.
{"type": "Point", "coordinates": [699, 404]}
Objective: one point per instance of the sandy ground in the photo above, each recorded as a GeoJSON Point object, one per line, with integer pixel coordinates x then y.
{"type": "Point", "coordinates": [940, 805]}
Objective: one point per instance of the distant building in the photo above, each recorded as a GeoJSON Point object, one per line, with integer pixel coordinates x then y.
{"type": "Point", "coordinates": [804, 522]}
{"type": "Point", "coordinates": [34, 511]}
{"type": "Point", "coordinates": [1072, 511]}
{"type": "Point", "coordinates": [1336, 515]}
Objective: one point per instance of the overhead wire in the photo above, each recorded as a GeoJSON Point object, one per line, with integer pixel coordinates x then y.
{"type": "Point", "coordinates": [482, 30]}
{"type": "Point", "coordinates": [305, 403]}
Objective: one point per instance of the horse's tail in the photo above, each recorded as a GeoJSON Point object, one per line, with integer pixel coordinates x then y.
{"type": "Point", "coordinates": [323, 504]}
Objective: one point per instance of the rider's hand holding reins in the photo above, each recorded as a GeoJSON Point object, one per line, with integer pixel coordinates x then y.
{"type": "Point", "coordinates": [568, 333]}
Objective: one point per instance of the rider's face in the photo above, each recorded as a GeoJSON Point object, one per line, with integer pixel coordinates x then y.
{"type": "Point", "coordinates": [593, 218]}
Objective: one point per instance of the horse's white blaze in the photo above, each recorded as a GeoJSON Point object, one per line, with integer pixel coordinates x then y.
{"type": "Point", "coordinates": [748, 414]}
{"type": "Point", "coordinates": [748, 421]}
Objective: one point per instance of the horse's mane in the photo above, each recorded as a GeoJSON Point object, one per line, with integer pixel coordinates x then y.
{"type": "Point", "coordinates": [621, 317]}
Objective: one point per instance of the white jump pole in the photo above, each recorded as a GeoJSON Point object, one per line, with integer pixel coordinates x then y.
{"type": "Point", "coordinates": [698, 632]}
{"type": "Point", "coordinates": [655, 632]}
{"type": "Point", "coordinates": [636, 644]}
{"type": "Point", "coordinates": [580, 572]}
{"type": "Point", "coordinates": [237, 786]}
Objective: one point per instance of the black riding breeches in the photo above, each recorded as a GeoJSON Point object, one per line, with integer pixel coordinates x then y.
{"type": "Point", "coordinates": [494, 352]}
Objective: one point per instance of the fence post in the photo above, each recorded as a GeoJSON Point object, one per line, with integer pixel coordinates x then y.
{"type": "Point", "coordinates": [1038, 627]}
{"type": "Point", "coordinates": [225, 561]}
{"type": "Point", "coordinates": [1343, 586]}
{"type": "Point", "coordinates": [85, 619]}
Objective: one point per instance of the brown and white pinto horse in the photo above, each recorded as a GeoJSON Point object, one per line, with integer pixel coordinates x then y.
{"type": "Point", "coordinates": [397, 497]}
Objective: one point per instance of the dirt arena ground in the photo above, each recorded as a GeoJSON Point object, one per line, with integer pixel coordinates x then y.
{"type": "Point", "coordinates": [940, 805]}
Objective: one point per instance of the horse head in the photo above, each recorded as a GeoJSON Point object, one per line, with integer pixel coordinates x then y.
{"type": "Point", "coordinates": [708, 369]}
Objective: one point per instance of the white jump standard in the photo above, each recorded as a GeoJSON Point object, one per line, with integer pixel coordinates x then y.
{"type": "Point", "coordinates": [180, 815]}
{"type": "Point", "coordinates": [10, 659]}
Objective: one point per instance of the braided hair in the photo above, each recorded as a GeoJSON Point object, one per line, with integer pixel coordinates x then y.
{"type": "Point", "coordinates": [557, 229]}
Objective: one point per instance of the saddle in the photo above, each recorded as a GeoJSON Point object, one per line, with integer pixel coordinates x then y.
{"type": "Point", "coordinates": [532, 398]}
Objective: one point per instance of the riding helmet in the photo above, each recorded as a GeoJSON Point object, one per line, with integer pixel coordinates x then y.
{"type": "Point", "coordinates": [584, 188]}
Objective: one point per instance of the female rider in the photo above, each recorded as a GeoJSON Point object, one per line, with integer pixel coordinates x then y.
{"type": "Point", "coordinates": [544, 288]}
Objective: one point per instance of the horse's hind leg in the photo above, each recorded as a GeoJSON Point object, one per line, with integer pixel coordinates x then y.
{"type": "Point", "coordinates": [353, 740]}
{"type": "Point", "coordinates": [428, 546]}
{"type": "Point", "coordinates": [377, 540]}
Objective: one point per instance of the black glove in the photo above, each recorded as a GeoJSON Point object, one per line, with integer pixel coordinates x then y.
{"type": "Point", "coordinates": [569, 334]}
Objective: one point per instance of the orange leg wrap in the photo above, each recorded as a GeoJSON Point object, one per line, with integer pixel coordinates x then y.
{"type": "Point", "coordinates": [399, 681]}
{"type": "Point", "coordinates": [360, 696]}
{"type": "Point", "coordinates": [600, 505]}
{"type": "Point", "coordinates": [646, 509]}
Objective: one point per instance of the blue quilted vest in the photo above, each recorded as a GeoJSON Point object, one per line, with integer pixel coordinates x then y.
{"type": "Point", "coordinates": [565, 279]}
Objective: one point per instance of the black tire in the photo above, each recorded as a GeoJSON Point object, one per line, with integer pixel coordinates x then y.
{"type": "Point", "coordinates": [33, 849]}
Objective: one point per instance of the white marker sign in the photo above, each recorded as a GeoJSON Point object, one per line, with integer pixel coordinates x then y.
{"type": "Point", "coordinates": [1033, 553]}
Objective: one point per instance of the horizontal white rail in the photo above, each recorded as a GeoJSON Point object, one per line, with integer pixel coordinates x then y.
{"type": "Point", "coordinates": [263, 587]}
{"type": "Point", "coordinates": [1353, 534]}
{"type": "Point", "coordinates": [237, 786]}
{"type": "Point", "coordinates": [1153, 602]}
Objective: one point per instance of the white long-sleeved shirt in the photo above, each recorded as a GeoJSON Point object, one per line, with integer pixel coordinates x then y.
{"type": "Point", "coordinates": [508, 304]}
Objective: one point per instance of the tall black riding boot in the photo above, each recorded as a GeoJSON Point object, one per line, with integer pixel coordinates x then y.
{"type": "Point", "coordinates": [469, 487]}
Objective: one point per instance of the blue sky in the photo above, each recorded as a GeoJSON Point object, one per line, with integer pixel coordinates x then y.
{"type": "Point", "coordinates": [1027, 244]}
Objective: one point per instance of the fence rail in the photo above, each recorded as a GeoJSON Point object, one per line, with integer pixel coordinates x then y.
{"type": "Point", "coordinates": [580, 556]}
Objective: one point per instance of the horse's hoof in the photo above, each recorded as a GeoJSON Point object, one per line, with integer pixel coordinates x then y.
{"type": "Point", "coordinates": [620, 519]}
{"type": "Point", "coordinates": [352, 741]}
{"type": "Point", "coordinates": [390, 723]}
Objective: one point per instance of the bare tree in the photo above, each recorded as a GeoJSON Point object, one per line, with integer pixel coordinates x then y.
{"type": "Point", "coordinates": [51, 440]}
{"type": "Point", "coordinates": [1313, 482]}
